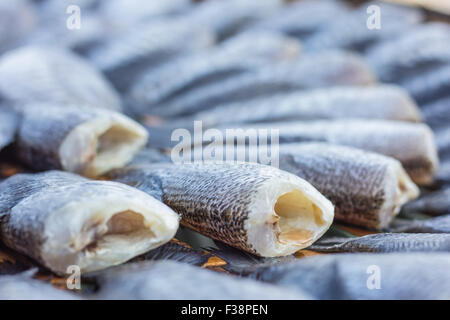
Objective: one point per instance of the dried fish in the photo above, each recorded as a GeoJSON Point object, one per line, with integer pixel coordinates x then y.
{"type": "Point", "coordinates": [435, 203]}
{"type": "Point", "coordinates": [434, 225]}
{"type": "Point", "coordinates": [386, 242]}
{"type": "Point", "coordinates": [421, 49]}
{"type": "Point", "coordinates": [150, 155]}
{"type": "Point", "coordinates": [126, 56]}
{"type": "Point", "coordinates": [443, 143]}
{"type": "Point", "coordinates": [172, 280]}
{"type": "Point", "coordinates": [349, 276]}
{"type": "Point", "coordinates": [238, 55]}
{"type": "Point", "coordinates": [253, 207]}
{"type": "Point", "coordinates": [443, 173]}
{"type": "Point", "coordinates": [352, 31]}
{"type": "Point", "coordinates": [8, 127]}
{"type": "Point", "coordinates": [87, 141]}
{"type": "Point", "coordinates": [61, 219]}
{"type": "Point", "coordinates": [381, 102]}
{"type": "Point", "coordinates": [436, 114]}
{"type": "Point", "coordinates": [35, 74]}
{"type": "Point", "coordinates": [24, 287]}
{"type": "Point", "coordinates": [410, 143]}
{"type": "Point", "coordinates": [313, 71]}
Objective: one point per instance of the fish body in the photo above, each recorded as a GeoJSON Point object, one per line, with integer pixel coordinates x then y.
{"type": "Point", "coordinates": [424, 48]}
{"type": "Point", "coordinates": [433, 225]}
{"type": "Point", "coordinates": [61, 219]}
{"type": "Point", "coordinates": [381, 102]}
{"type": "Point", "coordinates": [436, 114]}
{"type": "Point", "coordinates": [41, 74]}
{"type": "Point", "coordinates": [386, 243]}
{"type": "Point", "coordinates": [435, 203]}
{"type": "Point", "coordinates": [411, 143]}
{"type": "Point", "coordinates": [171, 280]}
{"type": "Point", "coordinates": [314, 71]}
{"type": "Point", "coordinates": [9, 122]}
{"type": "Point", "coordinates": [256, 208]}
{"type": "Point", "coordinates": [83, 140]}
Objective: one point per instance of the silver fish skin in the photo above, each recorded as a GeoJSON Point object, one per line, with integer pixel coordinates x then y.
{"type": "Point", "coordinates": [435, 203]}
{"type": "Point", "coordinates": [324, 69]}
{"type": "Point", "coordinates": [436, 114]}
{"type": "Point", "coordinates": [18, 17]}
{"type": "Point", "coordinates": [345, 276]}
{"type": "Point", "coordinates": [443, 143]}
{"type": "Point", "coordinates": [257, 208]}
{"type": "Point", "coordinates": [443, 174]}
{"type": "Point", "coordinates": [172, 280]}
{"type": "Point", "coordinates": [386, 243]}
{"type": "Point", "coordinates": [126, 56]}
{"type": "Point", "coordinates": [42, 74]}
{"type": "Point", "coordinates": [429, 86]}
{"type": "Point", "coordinates": [9, 122]}
{"type": "Point", "coordinates": [61, 219]}
{"type": "Point", "coordinates": [240, 54]}
{"type": "Point", "coordinates": [388, 102]}
{"type": "Point", "coordinates": [24, 287]}
{"type": "Point", "coordinates": [433, 225]}
{"type": "Point", "coordinates": [351, 31]}
{"type": "Point", "coordinates": [420, 49]}
{"type": "Point", "coordinates": [301, 19]}
{"type": "Point", "coordinates": [150, 155]}
{"type": "Point", "coordinates": [411, 143]}
{"type": "Point", "coordinates": [76, 139]}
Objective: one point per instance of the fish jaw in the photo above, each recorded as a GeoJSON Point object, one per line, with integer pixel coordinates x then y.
{"type": "Point", "coordinates": [286, 216]}
{"type": "Point", "coordinates": [97, 231]}
{"type": "Point", "coordinates": [104, 143]}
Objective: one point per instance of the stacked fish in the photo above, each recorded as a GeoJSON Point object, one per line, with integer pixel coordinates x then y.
{"type": "Point", "coordinates": [86, 121]}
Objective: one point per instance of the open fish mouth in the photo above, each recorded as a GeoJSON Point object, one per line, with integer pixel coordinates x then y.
{"type": "Point", "coordinates": [299, 216]}
{"type": "Point", "coordinates": [104, 143]}
{"type": "Point", "coordinates": [112, 230]}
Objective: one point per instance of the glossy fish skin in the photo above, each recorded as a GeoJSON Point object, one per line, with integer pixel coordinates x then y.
{"type": "Point", "coordinates": [382, 102]}
{"type": "Point", "coordinates": [24, 287]}
{"type": "Point", "coordinates": [430, 86]}
{"type": "Point", "coordinates": [410, 143]}
{"type": "Point", "coordinates": [36, 74]}
{"type": "Point", "coordinates": [246, 205]}
{"type": "Point", "coordinates": [172, 280]}
{"type": "Point", "coordinates": [351, 31]}
{"type": "Point", "coordinates": [240, 54]}
{"type": "Point", "coordinates": [421, 49]}
{"type": "Point", "coordinates": [83, 140]}
{"type": "Point", "coordinates": [313, 71]}
{"type": "Point", "coordinates": [434, 225]}
{"type": "Point", "coordinates": [9, 122]}
{"type": "Point", "coordinates": [435, 203]}
{"type": "Point", "coordinates": [367, 189]}
{"type": "Point", "coordinates": [126, 56]}
{"type": "Point", "coordinates": [345, 276]}
{"type": "Point", "coordinates": [61, 219]}
{"type": "Point", "coordinates": [301, 19]}
{"type": "Point", "coordinates": [386, 243]}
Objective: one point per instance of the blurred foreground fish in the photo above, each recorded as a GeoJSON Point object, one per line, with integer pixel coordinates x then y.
{"type": "Point", "coordinates": [127, 55]}
{"type": "Point", "coordinates": [240, 54]}
{"type": "Point", "coordinates": [386, 242]}
{"type": "Point", "coordinates": [353, 30]}
{"type": "Point", "coordinates": [410, 143]}
{"type": "Point", "coordinates": [24, 287]}
{"type": "Point", "coordinates": [433, 225]}
{"type": "Point", "coordinates": [381, 102]}
{"type": "Point", "coordinates": [172, 280]}
{"type": "Point", "coordinates": [350, 276]}
{"type": "Point", "coordinates": [421, 49]}
{"type": "Point", "coordinates": [8, 126]}
{"type": "Point", "coordinates": [256, 208]}
{"type": "Point", "coordinates": [37, 74]}
{"type": "Point", "coordinates": [61, 219]}
{"type": "Point", "coordinates": [313, 71]}
{"type": "Point", "coordinates": [76, 139]}
{"type": "Point", "coordinates": [435, 203]}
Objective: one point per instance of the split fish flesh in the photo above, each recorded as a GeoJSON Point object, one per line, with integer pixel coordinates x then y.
{"type": "Point", "coordinates": [36, 74]}
{"type": "Point", "coordinates": [256, 208]}
{"type": "Point", "coordinates": [82, 140]}
{"type": "Point", "coordinates": [61, 219]}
